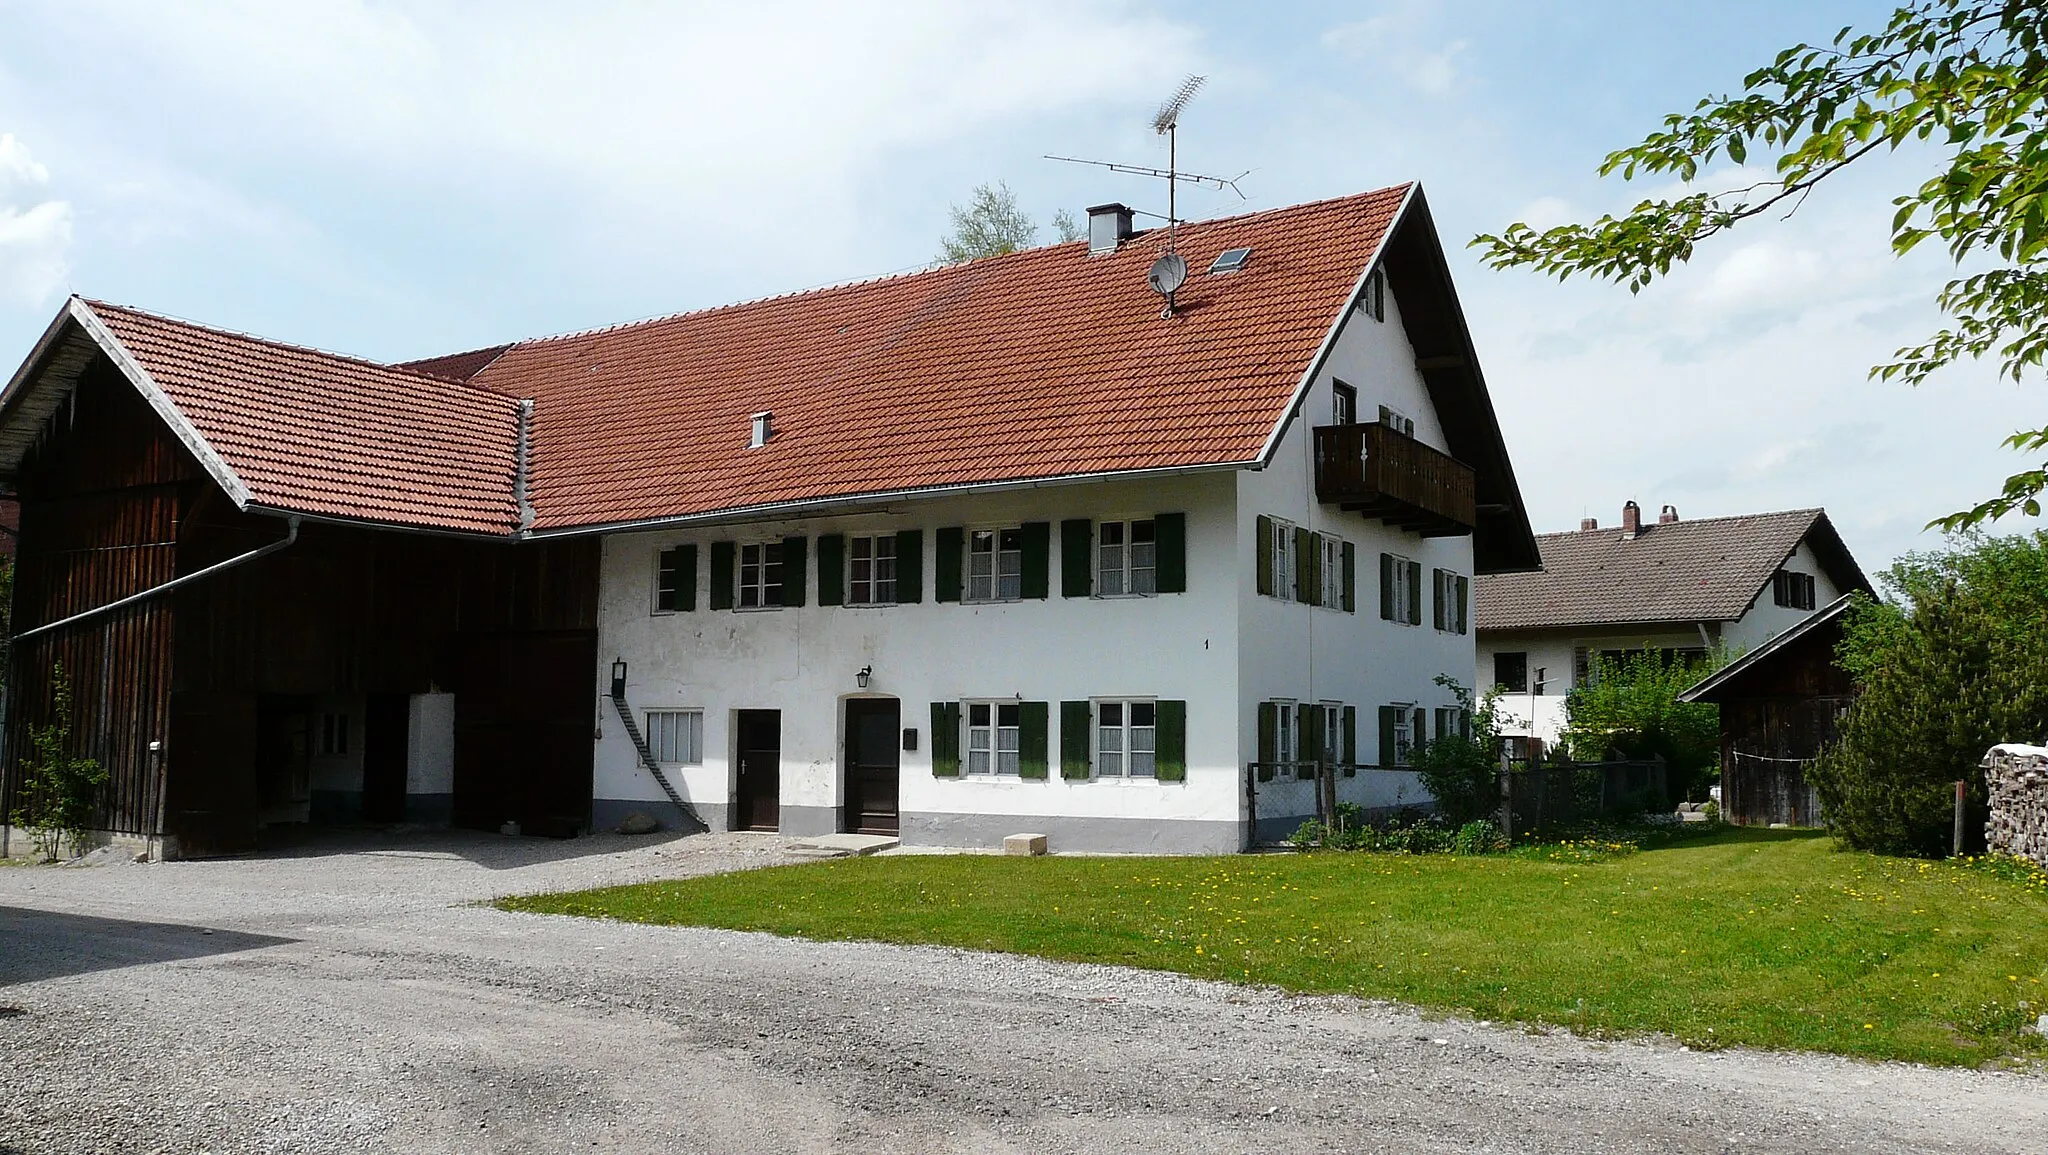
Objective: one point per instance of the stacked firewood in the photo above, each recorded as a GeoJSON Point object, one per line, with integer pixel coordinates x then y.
{"type": "Point", "coordinates": [2017, 778]}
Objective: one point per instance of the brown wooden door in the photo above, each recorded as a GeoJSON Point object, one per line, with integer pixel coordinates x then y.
{"type": "Point", "coordinates": [757, 795]}
{"type": "Point", "coordinates": [871, 766]}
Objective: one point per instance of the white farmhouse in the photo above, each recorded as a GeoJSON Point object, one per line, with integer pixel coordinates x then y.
{"type": "Point", "coordinates": [1686, 588]}
{"type": "Point", "coordinates": [1013, 545]}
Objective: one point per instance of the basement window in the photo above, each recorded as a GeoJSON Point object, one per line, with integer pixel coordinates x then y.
{"type": "Point", "coordinates": [676, 736]}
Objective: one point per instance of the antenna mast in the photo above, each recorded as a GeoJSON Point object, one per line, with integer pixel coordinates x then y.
{"type": "Point", "coordinates": [1167, 121]}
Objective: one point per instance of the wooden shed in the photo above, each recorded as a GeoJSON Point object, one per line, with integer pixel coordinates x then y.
{"type": "Point", "coordinates": [1780, 704]}
{"type": "Point", "coordinates": [281, 591]}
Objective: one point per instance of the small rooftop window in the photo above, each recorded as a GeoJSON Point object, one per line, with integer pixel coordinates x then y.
{"type": "Point", "coordinates": [1230, 261]}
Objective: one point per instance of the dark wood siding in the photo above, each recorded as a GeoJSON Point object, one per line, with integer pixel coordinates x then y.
{"type": "Point", "coordinates": [1774, 717]}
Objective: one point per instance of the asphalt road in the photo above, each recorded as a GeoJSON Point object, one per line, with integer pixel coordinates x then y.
{"type": "Point", "coordinates": [350, 997]}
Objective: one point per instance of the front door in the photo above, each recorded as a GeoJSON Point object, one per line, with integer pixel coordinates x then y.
{"type": "Point", "coordinates": [757, 796]}
{"type": "Point", "coordinates": [871, 765]}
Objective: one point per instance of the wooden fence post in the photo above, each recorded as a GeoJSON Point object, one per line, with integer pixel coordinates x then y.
{"type": "Point", "coordinates": [1961, 786]}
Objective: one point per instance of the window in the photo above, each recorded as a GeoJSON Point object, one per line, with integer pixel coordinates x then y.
{"type": "Point", "coordinates": [1793, 590]}
{"type": "Point", "coordinates": [992, 737]}
{"type": "Point", "coordinates": [1511, 672]}
{"type": "Point", "coordinates": [1128, 560]}
{"type": "Point", "coordinates": [676, 736]}
{"type": "Point", "coordinates": [1404, 733]}
{"type": "Point", "coordinates": [995, 565]}
{"type": "Point", "coordinates": [1451, 720]}
{"type": "Point", "coordinates": [872, 580]}
{"type": "Point", "coordinates": [1333, 734]}
{"type": "Point", "coordinates": [668, 580]}
{"type": "Point", "coordinates": [1126, 739]}
{"type": "Point", "coordinates": [1400, 590]}
{"type": "Point", "coordinates": [1331, 587]}
{"type": "Point", "coordinates": [1284, 561]}
{"type": "Point", "coordinates": [1343, 404]}
{"type": "Point", "coordinates": [761, 575]}
{"type": "Point", "coordinates": [1373, 298]}
{"type": "Point", "coordinates": [1285, 732]}
{"type": "Point", "coordinates": [1452, 607]}
{"type": "Point", "coordinates": [333, 735]}
{"type": "Point", "coordinates": [1405, 426]}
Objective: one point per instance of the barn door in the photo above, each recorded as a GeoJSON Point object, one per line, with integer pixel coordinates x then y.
{"type": "Point", "coordinates": [523, 718]}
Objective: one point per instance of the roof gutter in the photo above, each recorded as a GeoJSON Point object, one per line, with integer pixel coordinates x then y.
{"type": "Point", "coordinates": [291, 535]}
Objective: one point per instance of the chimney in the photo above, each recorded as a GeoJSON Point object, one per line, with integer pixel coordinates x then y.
{"type": "Point", "coordinates": [1108, 226]}
{"type": "Point", "coordinates": [1631, 521]}
{"type": "Point", "coordinates": [1588, 524]}
{"type": "Point", "coordinates": [763, 430]}
{"type": "Point", "coordinates": [1668, 516]}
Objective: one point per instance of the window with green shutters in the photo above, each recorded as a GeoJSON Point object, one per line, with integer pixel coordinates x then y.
{"type": "Point", "coordinates": [1401, 730]}
{"type": "Point", "coordinates": [1282, 545]}
{"type": "Point", "coordinates": [675, 579]}
{"type": "Point", "coordinates": [831, 569]}
{"type": "Point", "coordinates": [909, 566]}
{"type": "Point", "coordinates": [945, 739]}
{"type": "Point", "coordinates": [1400, 590]}
{"type": "Point", "coordinates": [947, 573]}
{"type": "Point", "coordinates": [1172, 533]}
{"type": "Point", "coordinates": [1077, 543]}
{"type": "Point", "coordinates": [1452, 593]}
{"type": "Point", "coordinates": [1074, 728]}
{"type": "Point", "coordinates": [722, 574]}
{"type": "Point", "coordinates": [795, 571]}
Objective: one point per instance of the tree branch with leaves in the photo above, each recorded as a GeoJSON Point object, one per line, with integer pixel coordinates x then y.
{"type": "Point", "coordinates": [1968, 79]}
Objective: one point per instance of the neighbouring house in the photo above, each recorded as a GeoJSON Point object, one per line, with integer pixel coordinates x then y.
{"type": "Point", "coordinates": [1780, 704]}
{"type": "Point", "coordinates": [1009, 545]}
{"type": "Point", "coordinates": [1686, 588]}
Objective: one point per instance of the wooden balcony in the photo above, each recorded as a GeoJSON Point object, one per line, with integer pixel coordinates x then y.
{"type": "Point", "coordinates": [1376, 471]}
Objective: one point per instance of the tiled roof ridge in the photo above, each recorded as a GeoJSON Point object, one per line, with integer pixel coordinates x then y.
{"type": "Point", "coordinates": [290, 347]}
{"type": "Point", "coordinates": [931, 270]}
{"type": "Point", "coordinates": [1654, 525]}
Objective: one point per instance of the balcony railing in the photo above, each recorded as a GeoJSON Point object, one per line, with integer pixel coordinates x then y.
{"type": "Point", "coordinates": [1376, 471]}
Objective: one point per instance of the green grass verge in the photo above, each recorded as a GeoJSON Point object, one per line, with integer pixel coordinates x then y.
{"type": "Point", "coordinates": [1768, 939]}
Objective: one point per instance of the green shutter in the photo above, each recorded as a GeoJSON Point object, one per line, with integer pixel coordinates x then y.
{"type": "Point", "coordinates": [1037, 559]}
{"type": "Point", "coordinates": [1387, 723]}
{"type": "Point", "coordinates": [910, 567]}
{"type": "Point", "coordinates": [1170, 741]}
{"type": "Point", "coordinates": [721, 575]}
{"type": "Point", "coordinates": [1418, 720]}
{"type": "Point", "coordinates": [1350, 741]}
{"type": "Point", "coordinates": [1387, 587]}
{"type": "Point", "coordinates": [1074, 722]}
{"type": "Point", "coordinates": [1031, 739]}
{"type": "Point", "coordinates": [686, 577]}
{"type": "Point", "coordinates": [1350, 553]}
{"type": "Point", "coordinates": [1414, 593]}
{"type": "Point", "coordinates": [1077, 552]}
{"type": "Point", "coordinates": [1465, 726]}
{"type": "Point", "coordinates": [1170, 533]}
{"type": "Point", "coordinates": [796, 571]}
{"type": "Point", "coordinates": [831, 569]}
{"type": "Point", "coordinates": [1306, 733]}
{"type": "Point", "coordinates": [1464, 604]}
{"type": "Point", "coordinates": [1437, 599]}
{"type": "Point", "coordinates": [1304, 566]}
{"type": "Point", "coordinates": [1269, 738]}
{"type": "Point", "coordinates": [946, 578]}
{"type": "Point", "coordinates": [945, 739]}
{"type": "Point", "coordinates": [1265, 560]}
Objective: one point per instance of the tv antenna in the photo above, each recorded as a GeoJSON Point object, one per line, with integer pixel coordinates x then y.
{"type": "Point", "coordinates": [1170, 271]}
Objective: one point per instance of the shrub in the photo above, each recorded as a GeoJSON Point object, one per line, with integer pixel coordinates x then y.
{"type": "Point", "coordinates": [59, 793]}
{"type": "Point", "coordinates": [1630, 710]}
{"type": "Point", "coordinates": [1462, 772]}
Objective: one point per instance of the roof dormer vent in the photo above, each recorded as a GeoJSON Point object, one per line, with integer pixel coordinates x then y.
{"type": "Point", "coordinates": [1108, 226]}
{"type": "Point", "coordinates": [763, 429]}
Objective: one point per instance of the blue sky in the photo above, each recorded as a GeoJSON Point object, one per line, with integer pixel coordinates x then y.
{"type": "Point", "coordinates": [395, 180]}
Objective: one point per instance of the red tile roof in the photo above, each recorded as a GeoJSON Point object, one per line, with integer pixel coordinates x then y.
{"type": "Point", "coordinates": [1038, 364]}
{"type": "Point", "coordinates": [322, 434]}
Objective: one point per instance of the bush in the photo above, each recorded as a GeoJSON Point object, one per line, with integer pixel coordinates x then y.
{"type": "Point", "coordinates": [1953, 661]}
{"type": "Point", "coordinates": [59, 793]}
{"type": "Point", "coordinates": [1462, 773]}
{"type": "Point", "coordinates": [1629, 710]}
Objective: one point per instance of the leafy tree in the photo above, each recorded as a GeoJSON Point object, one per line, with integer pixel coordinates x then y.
{"type": "Point", "coordinates": [1954, 660]}
{"type": "Point", "coordinates": [1630, 709]}
{"type": "Point", "coordinates": [1463, 773]}
{"type": "Point", "coordinates": [991, 224]}
{"type": "Point", "coordinates": [1965, 79]}
{"type": "Point", "coordinates": [59, 793]}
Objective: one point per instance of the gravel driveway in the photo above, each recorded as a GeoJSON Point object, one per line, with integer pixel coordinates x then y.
{"type": "Point", "coordinates": [345, 998]}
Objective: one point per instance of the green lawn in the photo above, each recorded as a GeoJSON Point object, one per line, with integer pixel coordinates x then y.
{"type": "Point", "coordinates": [1770, 939]}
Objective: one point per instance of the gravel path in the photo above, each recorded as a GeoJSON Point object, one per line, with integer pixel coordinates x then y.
{"type": "Point", "coordinates": [346, 999]}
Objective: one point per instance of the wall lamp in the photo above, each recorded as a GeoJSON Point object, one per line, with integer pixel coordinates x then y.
{"type": "Point", "coordinates": [861, 676]}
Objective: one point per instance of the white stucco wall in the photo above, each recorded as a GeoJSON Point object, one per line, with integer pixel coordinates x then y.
{"type": "Point", "coordinates": [802, 660]}
{"type": "Point", "coordinates": [1765, 619]}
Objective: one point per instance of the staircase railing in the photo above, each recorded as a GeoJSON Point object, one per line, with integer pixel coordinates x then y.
{"type": "Point", "coordinates": [618, 697]}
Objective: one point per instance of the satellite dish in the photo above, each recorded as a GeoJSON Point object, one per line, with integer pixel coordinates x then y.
{"type": "Point", "coordinates": [1168, 274]}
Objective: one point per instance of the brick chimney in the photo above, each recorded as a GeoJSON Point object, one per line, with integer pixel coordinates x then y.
{"type": "Point", "coordinates": [1588, 524]}
{"type": "Point", "coordinates": [1668, 515]}
{"type": "Point", "coordinates": [1631, 521]}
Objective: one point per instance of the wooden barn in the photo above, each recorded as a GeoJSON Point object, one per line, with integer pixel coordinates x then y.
{"type": "Point", "coordinates": [260, 628]}
{"type": "Point", "coordinates": [1780, 705]}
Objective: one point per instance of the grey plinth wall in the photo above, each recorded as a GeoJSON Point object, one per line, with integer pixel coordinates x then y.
{"type": "Point", "coordinates": [2016, 778]}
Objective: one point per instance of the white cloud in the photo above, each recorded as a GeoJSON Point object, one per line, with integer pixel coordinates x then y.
{"type": "Point", "coordinates": [35, 234]}
{"type": "Point", "coordinates": [1400, 40]}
